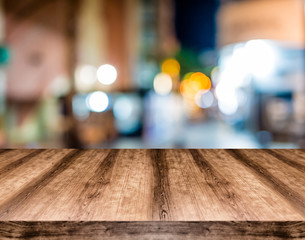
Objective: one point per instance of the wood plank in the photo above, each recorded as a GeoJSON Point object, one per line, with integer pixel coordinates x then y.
{"type": "Point", "coordinates": [212, 197]}
{"type": "Point", "coordinates": [135, 200]}
{"type": "Point", "coordinates": [153, 230]}
{"type": "Point", "coordinates": [52, 200]}
{"type": "Point", "coordinates": [161, 205]}
{"type": "Point", "coordinates": [280, 177]}
{"type": "Point", "coordinates": [258, 201]}
{"type": "Point", "coordinates": [186, 191]}
{"type": "Point", "coordinates": [7, 156]}
{"type": "Point", "coordinates": [15, 179]}
{"type": "Point", "coordinates": [295, 156]}
{"type": "Point", "coordinates": [9, 205]}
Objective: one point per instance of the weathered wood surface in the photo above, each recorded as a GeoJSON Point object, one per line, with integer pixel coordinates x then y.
{"type": "Point", "coordinates": [153, 230]}
{"type": "Point", "coordinates": [220, 188]}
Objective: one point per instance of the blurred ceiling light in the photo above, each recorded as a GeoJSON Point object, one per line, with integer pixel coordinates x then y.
{"type": "Point", "coordinates": [204, 99]}
{"type": "Point", "coordinates": [163, 84]}
{"type": "Point", "coordinates": [85, 77]}
{"type": "Point", "coordinates": [106, 74]}
{"type": "Point", "coordinates": [171, 66]}
{"type": "Point", "coordinates": [97, 101]}
{"type": "Point", "coordinates": [195, 83]}
{"type": "Point", "coordinates": [261, 58]}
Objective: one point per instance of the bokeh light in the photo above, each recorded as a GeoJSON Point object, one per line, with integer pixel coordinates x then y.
{"type": "Point", "coordinates": [227, 98]}
{"type": "Point", "coordinates": [204, 99]}
{"type": "Point", "coordinates": [127, 110]}
{"type": "Point", "coordinates": [171, 66]}
{"type": "Point", "coordinates": [163, 84]}
{"type": "Point", "coordinates": [201, 78]}
{"type": "Point", "coordinates": [106, 74]}
{"type": "Point", "coordinates": [97, 101]}
{"type": "Point", "coordinates": [261, 58]}
{"type": "Point", "coordinates": [195, 83]}
{"type": "Point", "coordinates": [228, 107]}
{"type": "Point", "coordinates": [215, 75]}
{"type": "Point", "coordinates": [80, 108]}
{"type": "Point", "coordinates": [85, 77]}
{"type": "Point", "coordinates": [122, 108]}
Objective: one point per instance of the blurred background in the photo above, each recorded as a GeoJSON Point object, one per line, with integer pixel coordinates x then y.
{"type": "Point", "coordinates": [152, 74]}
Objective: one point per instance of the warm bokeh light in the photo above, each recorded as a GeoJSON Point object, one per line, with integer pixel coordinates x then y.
{"type": "Point", "coordinates": [195, 83]}
{"type": "Point", "coordinates": [205, 82]}
{"type": "Point", "coordinates": [163, 84]}
{"type": "Point", "coordinates": [97, 101]}
{"type": "Point", "coordinates": [85, 77]}
{"type": "Point", "coordinates": [171, 66]}
{"type": "Point", "coordinates": [106, 74]}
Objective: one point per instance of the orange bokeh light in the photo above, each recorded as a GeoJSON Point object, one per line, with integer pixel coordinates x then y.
{"type": "Point", "coordinates": [193, 83]}
{"type": "Point", "coordinates": [171, 66]}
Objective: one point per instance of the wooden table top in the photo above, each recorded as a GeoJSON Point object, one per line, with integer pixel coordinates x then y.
{"type": "Point", "coordinates": [195, 185]}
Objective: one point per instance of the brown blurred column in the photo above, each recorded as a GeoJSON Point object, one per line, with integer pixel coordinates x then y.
{"type": "Point", "coordinates": [168, 43]}
{"type": "Point", "coordinates": [70, 135]}
{"type": "Point", "coordinates": [117, 53]}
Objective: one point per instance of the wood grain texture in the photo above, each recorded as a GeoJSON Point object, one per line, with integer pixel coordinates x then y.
{"type": "Point", "coordinates": [152, 230]}
{"type": "Point", "coordinates": [276, 176]}
{"type": "Point", "coordinates": [260, 193]}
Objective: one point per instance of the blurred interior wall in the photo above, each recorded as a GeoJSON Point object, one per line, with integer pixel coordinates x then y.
{"type": "Point", "coordinates": [35, 34]}
{"type": "Point", "coordinates": [281, 20]}
{"type": "Point", "coordinates": [38, 35]}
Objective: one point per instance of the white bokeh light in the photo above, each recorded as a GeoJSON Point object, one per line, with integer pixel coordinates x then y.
{"type": "Point", "coordinates": [85, 77]}
{"type": "Point", "coordinates": [204, 99]}
{"type": "Point", "coordinates": [163, 84]}
{"type": "Point", "coordinates": [97, 101]}
{"type": "Point", "coordinates": [228, 107]}
{"type": "Point", "coordinates": [106, 74]}
{"type": "Point", "coordinates": [227, 99]}
{"type": "Point", "coordinates": [261, 58]}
